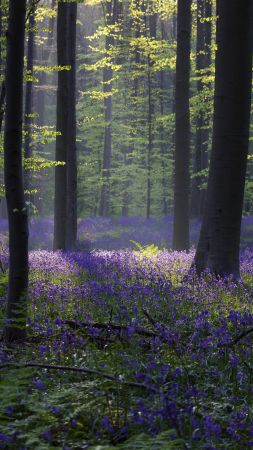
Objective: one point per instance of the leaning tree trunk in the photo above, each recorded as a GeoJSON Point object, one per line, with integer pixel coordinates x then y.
{"type": "Point", "coordinates": [182, 134]}
{"type": "Point", "coordinates": [218, 247]}
{"type": "Point", "coordinates": [65, 219]}
{"type": "Point", "coordinates": [17, 211]}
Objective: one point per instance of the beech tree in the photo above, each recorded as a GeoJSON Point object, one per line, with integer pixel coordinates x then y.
{"type": "Point", "coordinates": [203, 63]}
{"type": "Point", "coordinates": [28, 97]}
{"type": "Point", "coordinates": [2, 87]}
{"type": "Point", "coordinates": [182, 131]}
{"type": "Point", "coordinates": [65, 227]}
{"type": "Point", "coordinates": [150, 83]}
{"type": "Point", "coordinates": [218, 247]}
{"type": "Point", "coordinates": [112, 13]}
{"type": "Point", "coordinates": [13, 174]}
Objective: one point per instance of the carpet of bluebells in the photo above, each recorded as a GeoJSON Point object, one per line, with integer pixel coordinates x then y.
{"type": "Point", "coordinates": [127, 348]}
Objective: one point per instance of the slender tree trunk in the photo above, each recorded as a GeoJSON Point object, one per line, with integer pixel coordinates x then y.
{"type": "Point", "coordinates": [150, 139]}
{"type": "Point", "coordinates": [65, 220]}
{"type": "Point", "coordinates": [218, 247]}
{"type": "Point", "coordinates": [2, 104]}
{"type": "Point", "coordinates": [71, 219]}
{"type": "Point", "coordinates": [162, 138]}
{"type": "Point", "coordinates": [2, 90]}
{"type": "Point", "coordinates": [28, 120]}
{"type": "Point", "coordinates": [200, 65]}
{"type": "Point", "coordinates": [60, 203]}
{"type": "Point", "coordinates": [132, 25]}
{"type": "Point", "coordinates": [203, 62]}
{"type": "Point", "coordinates": [107, 156]}
{"type": "Point", "coordinates": [182, 134]}
{"type": "Point", "coordinates": [42, 55]}
{"type": "Point", "coordinates": [107, 88]}
{"type": "Point", "coordinates": [206, 132]}
{"type": "Point", "coordinates": [151, 110]}
{"type": "Point", "coordinates": [17, 211]}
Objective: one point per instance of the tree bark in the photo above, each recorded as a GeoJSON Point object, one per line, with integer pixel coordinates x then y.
{"type": "Point", "coordinates": [151, 110]}
{"type": "Point", "coordinates": [203, 62]}
{"type": "Point", "coordinates": [182, 133]}
{"type": "Point", "coordinates": [163, 149]}
{"type": "Point", "coordinates": [28, 120]}
{"type": "Point", "coordinates": [71, 219]}
{"type": "Point", "coordinates": [65, 211]}
{"type": "Point", "coordinates": [2, 94]}
{"type": "Point", "coordinates": [17, 211]}
{"type": "Point", "coordinates": [218, 247]}
{"type": "Point", "coordinates": [112, 13]}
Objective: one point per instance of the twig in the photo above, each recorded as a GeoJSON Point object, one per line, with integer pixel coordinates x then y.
{"type": "Point", "coordinates": [2, 103]}
{"type": "Point", "coordinates": [32, 9]}
{"type": "Point", "coordinates": [77, 369]}
{"type": "Point", "coordinates": [242, 335]}
{"type": "Point", "coordinates": [106, 326]}
{"type": "Point", "coordinates": [151, 320]}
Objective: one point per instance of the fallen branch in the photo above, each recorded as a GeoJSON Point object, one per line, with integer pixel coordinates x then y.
{"type": "Point", "coordinates": [242, 335]}
{"type": "Point", "coordinates": [32, 9]}
{"type": "Point", "coordinates": [151, 320]}
{"type": "Point", "coordinates": [79, 370]}
{"type": "Point", "coordinates": [106, 326]}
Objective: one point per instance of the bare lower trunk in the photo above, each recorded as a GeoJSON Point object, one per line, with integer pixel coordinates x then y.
{"type": "Point", "coordinates": [17, 211]}
{"type": "Point", "coordinates": [218, 247]}
{"type": "Point", "coordinates": [182, 134]}
{"type": "Point", "coordinates": [152, 28]}
{"type": "Point", "coordinates": [65, 215]}
{"type": "Point", "coordinates": [28, 105]}
{"type": "Point", "coordinates": [203, 62]}
{"type": "Point", "coordinates": [71, 219]}
{"type": "Point", "coordinates": [2, 93]}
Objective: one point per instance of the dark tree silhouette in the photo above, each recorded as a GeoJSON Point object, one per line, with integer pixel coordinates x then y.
{"type": "Point", "coordinates": [17, 211]}
{"type": "Point", "coordinates": [2, 88]}
{"type": "Point", "coordinates": [28, 120]}
{"type": "Point", "coordinates": [182, 133]}
{"type": "Point", "coordinates": [203, 62]}
{"type": "Point", "coordinates": [65, 218]}
{"type": "Point", "coordinates": [218, 247]}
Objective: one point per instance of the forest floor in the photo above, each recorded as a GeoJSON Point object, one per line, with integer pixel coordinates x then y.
{"type": "Point", "coordinates": [128, 348]}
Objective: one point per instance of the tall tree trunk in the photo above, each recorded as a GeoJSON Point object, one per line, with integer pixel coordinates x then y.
{"type": "Point", "coordinates": [107, 88]}
{"type": "Point", "coordinates": [135, 61]}
{"type": "Point", "coordinates": [71, 220]}
{"type": "Point", "coordinates": [218, 247]}
{"type": "Point", "coordinates": [206, 132]}
{"type": "Point", "coordinates": [203, 62]}
{"type": "Point", "coordinates": [2, 89]}
{"type": "Point", "coordinates": [28, 120]}
{"type": "Point", "coordinates": [65, 219]}
{"type": "Point", "coordinates": [182, 133]}
{"type": "Point", "coordinates": [42, 55]}
{"type": "Point", "coordinates": [162, 137]}
{"type": "Point", "coordinates": [17, 211]}
{"type": "Point", "coordinates": [151, 110]}
{"type": "Point", "coordinates": [200, 65]}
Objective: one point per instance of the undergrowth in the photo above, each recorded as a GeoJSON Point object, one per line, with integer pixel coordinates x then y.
{"type": "Point", "coordinates": [165, 359]}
